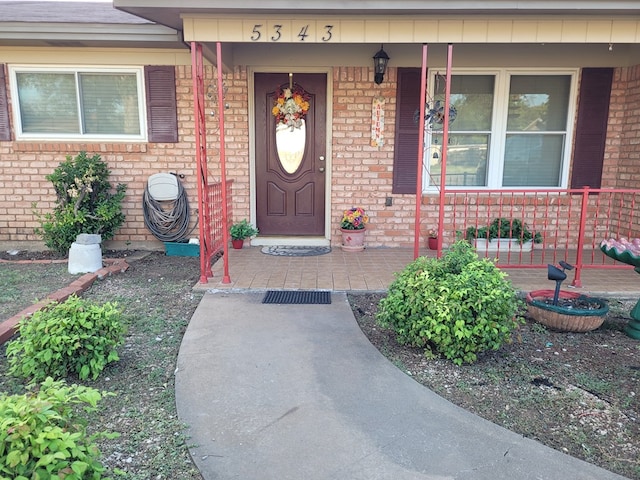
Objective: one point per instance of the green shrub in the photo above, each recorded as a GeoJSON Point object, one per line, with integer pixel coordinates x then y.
{"type": "Point", "coordinates": [85, 203]}
{"type": "Point", "coordinates": [504, 228]}
{"type": "Point", "coordinates": [75, 336]}
{"type": "Point", "coordinates": [43, 436]}
{"type": "Point", "coordinates": [456, 306]}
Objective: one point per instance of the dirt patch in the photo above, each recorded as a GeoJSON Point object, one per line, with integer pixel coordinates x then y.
{"type": "Point", "coordinates": [157, 298]}
{"type": "Point", "coordinates": [575, 392]}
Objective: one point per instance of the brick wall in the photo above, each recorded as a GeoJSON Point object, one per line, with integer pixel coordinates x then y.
{"type": "Point", "coordinates": [361, 174]}
{"type": "Point", "coordinates": [25, 165]}
{"type": "Point", "coordinates": [622, 156]}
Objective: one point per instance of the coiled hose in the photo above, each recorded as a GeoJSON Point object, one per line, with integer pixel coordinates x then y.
{"type": "Point", "coordinates": [167, 224]}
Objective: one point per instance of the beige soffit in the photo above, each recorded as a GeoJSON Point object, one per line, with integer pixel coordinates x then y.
{"type": "Point", "coordinates": [79, 24]}
{"type": "Point", "coordinates": [301, 29]}
{"type": "Point", "coordinates": [168, 12]}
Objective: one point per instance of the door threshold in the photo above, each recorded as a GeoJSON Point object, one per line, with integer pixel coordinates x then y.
{"type": "Point", "coordinates": [261, 241]}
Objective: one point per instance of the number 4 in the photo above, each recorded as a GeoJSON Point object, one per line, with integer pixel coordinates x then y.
{"type": "Point", "coordinates": [303, 33]}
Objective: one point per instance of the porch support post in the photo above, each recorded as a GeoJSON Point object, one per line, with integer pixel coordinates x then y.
{"type": "Point", "coordinates": [445, 147]}
{"type": "Point", "coordinates": [225, 213]}
{"type": "Point", "coordinates": [423, 98]}
{"type": "Point", "coordinates": [201, 161]}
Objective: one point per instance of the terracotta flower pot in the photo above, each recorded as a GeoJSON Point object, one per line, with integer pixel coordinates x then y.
{"type": "Point", "coordinates": [432, 242]}
{"type": "Point", "coordinates": [353, 240]}
{"type": "Point", "coordinates": [237, 243]}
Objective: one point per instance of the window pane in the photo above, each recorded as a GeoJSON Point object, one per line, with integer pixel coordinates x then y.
{"type": "Point", "coordinates": [472, 96]}
{"type": "Point", "coordinates": [110, 104]}
{"type": "Point", "coordinates": [48, 102]}
{"type": "Point", "coordinates": [532, 160]}
{"type": "Point", "coordinates": [538, 103]}
{"type": "Point", "coordinates": [466, 160]}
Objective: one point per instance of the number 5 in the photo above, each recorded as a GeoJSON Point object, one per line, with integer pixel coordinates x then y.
{"type": "Point", "coordinates": [256, 33]}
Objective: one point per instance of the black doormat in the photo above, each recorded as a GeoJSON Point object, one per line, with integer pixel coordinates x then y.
{"type": "Point", "coordinates": [297, 297]}
{"type": "Point", "coordinates": [295, 251]}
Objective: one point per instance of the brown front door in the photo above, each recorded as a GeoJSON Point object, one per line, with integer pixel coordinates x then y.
{"type": "Point", "coordinates": [290, 191]}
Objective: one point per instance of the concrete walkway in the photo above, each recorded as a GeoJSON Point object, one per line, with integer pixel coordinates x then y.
{"type": "Point", "coordinates": [297, 392]}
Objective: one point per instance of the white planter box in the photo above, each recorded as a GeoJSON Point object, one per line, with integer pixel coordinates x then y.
{"type": "Point", "coordinates": [502, 245]}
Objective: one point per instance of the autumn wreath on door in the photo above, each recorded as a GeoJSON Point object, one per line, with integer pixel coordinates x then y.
{"type": "Point", "coordinates": [290, 109]}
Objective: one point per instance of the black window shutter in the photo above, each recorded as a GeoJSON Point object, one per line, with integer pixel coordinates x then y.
{"type": "Point", "coordinates": [591, 127]}
{"type": "Point", "coordinates": [162, 117]}
{"type": "Point", "coordinates": [405, 159]}
{"type": "Point", "coordinates": [5, 129]}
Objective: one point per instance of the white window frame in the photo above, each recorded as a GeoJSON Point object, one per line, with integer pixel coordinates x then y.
{"type": "Point", "coordinates": [46, 69]}
{"type": "Point", "coordinates": [495, 160]}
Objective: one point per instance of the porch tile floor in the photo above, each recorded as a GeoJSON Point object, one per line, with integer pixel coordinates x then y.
{"type": "Point", "coordinates": [373, 270]}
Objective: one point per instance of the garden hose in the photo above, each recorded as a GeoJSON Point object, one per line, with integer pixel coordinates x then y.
{"type": "Point", "coordinates": [167, 221]}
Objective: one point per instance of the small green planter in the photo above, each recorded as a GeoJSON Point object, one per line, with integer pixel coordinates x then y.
{"type": "Point", "coordinates": [181, 249]}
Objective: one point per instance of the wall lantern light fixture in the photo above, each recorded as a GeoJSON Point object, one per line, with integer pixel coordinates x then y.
{"type": "Point", "coordinates": [380, 61]}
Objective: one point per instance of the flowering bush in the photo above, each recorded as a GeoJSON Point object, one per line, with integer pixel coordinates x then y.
{"type": "Point", "coordinates": [291, 106]}
{"type": "Point", "coordinates": [354, 219]}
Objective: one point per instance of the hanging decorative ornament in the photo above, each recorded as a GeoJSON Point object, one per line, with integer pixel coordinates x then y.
{"type": "Point", "coordinates": [434, 115]}
{"type": "Point", "coordinates": [292, 105]}
{"type": "Point", "coordinates": [377, 122]}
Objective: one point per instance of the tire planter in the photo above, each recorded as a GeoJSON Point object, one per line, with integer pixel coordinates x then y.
{"type": "Point", "coordinates": [565, 319]}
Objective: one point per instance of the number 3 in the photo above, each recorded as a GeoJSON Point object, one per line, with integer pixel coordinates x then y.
{"type": "Point", "coordinates": [327, 37]}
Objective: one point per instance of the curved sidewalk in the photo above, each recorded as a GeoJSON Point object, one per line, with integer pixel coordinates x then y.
{"type": "Point", "coordinates": [297, 392]}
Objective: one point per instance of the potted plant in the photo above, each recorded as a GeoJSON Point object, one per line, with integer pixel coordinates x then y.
{"type": "Point", "coordinates": [241, 230]}
{"type": "Point", "coordinates": [353, 227]}
{"type": "Point", "coordinates": [432, 239]}
{"type": "Point", "coordinates": [503, 233]}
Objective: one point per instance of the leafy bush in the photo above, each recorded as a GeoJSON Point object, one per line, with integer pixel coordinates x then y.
{"type": "Point", "coordinates": [74, 336]}
{"type": "Point", "coordinates": [504, 228]}
{"type": "Point", "coordinates": [457, 306]}
{"type": "Point", "coordinates": [242, 230]}
{"type": "Point", "coordinates": [43, 437]}
{"type": "Point", "coordinates": [85, 203]}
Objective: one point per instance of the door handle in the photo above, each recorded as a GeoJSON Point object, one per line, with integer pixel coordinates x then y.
{"type": "Point", "coordinates": [321, 169]}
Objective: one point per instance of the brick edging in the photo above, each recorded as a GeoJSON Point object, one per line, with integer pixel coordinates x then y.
{"type": "Point", "coordinates": [8, 327]}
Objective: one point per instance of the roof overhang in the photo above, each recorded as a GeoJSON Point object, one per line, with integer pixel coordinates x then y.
{"type": "Point", "coordinates": [80, 24]}
{"type": "Point", "coordinates": [170, 12]}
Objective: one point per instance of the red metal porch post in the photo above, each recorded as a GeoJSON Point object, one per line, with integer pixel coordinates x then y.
{"type": "Point", "coordinates": [445, 147]}
{"type": "Point", "coordinates": [201, 160]}
{"type": "Point", "coordinates": [225, 214]}
{"type": "Point", "coordinates": [423, 97]}
{"type": "Point", "coordinates": [204, 208]}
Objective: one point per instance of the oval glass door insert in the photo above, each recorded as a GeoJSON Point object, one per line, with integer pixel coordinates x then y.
{"type": "Point", "coordinates": [290, 143]}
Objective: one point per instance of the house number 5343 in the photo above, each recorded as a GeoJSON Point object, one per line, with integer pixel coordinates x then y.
{"type": "Point", "coordinates": [277, 32]}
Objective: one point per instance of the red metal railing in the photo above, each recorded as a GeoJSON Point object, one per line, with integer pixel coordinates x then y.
{"type": "Point", "coordinates": [214, 224]}
{"type": "Point", "coordinates": [570, 223]}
